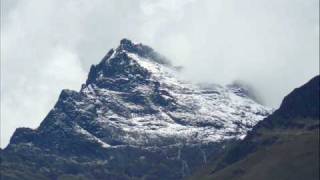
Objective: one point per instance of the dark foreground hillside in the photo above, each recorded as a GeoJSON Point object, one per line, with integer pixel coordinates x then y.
{"type": "Point", "coordinates": [284, 146]}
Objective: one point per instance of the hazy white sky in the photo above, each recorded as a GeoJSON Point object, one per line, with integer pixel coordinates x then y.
{"type": "Point", "coordinates": [48, 45]}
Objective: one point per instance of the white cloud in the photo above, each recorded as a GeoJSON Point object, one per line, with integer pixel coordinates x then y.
{"type": "Point", "coordinates": [37, 61]}
{"type": "Point", "coordinates": [27, 100]}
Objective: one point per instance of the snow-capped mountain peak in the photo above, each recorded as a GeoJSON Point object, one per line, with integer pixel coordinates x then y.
{"type": "Point", "coordinates": [131, 98]}
{"type": "Point", "coordinates": [135, 91]}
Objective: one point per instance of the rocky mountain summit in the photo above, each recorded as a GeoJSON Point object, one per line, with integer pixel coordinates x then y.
{"type": "Point", "coordinates": [134, 118]}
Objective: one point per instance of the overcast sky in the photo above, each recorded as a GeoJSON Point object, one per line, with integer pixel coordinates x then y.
{"type": "Point", "coordinates": [48, 45]}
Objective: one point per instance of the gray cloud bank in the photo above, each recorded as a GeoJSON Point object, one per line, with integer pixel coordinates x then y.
{"type": "Point", "coordinates": [48, 45]}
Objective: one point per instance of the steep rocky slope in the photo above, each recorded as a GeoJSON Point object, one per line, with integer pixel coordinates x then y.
{"type": "Point", "coordinates": [283, 146]}
{"type": "Point", "coordinates": [134, 118]}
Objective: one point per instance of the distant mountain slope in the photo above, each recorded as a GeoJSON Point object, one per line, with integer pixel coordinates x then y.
{"type": "Point", "coordinates": [132, 119]}
{"type": "Point", "coordinates": [284, 146]}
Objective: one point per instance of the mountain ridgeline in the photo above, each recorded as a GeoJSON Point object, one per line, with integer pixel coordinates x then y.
{"type": "Point", "coordinates": [285, 145]}
{"type": "Point", "coordinates": [135, 118]}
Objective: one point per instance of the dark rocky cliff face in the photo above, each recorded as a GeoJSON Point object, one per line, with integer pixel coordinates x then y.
{"type": "Point", "coordinates": [285, 145]}
{"type": "Point", "coordinates": [132, 119]}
